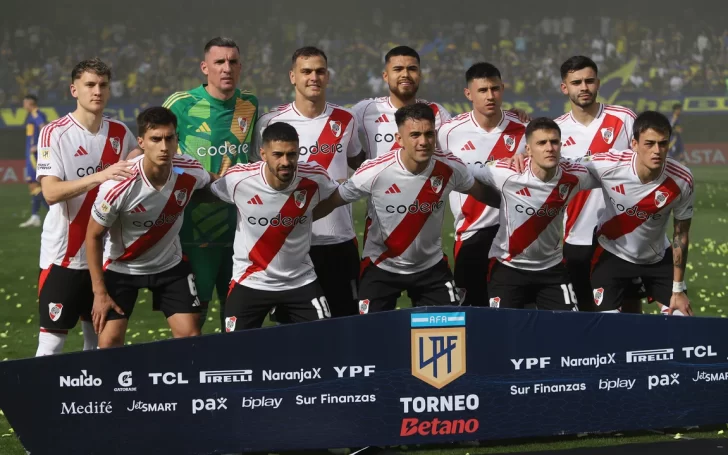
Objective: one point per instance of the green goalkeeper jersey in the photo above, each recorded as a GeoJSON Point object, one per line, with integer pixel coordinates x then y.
{"type": "Point", "coordinates": [218, 134]}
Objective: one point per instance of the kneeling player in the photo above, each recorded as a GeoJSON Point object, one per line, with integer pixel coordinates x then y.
{"type": "Point", "coordinates": [641, 187]}
{"type": "Point", "coordinates": [526, 256]}
{"type": "Point", "coordinates": [143, 215]}
{"type": "Point", "coordinates": [271, 266]}
{"type": "Point", "coordinates": [407, 188]}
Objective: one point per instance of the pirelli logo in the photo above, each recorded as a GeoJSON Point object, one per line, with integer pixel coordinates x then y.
{"type": "Point", "coordinates": [650, 355]}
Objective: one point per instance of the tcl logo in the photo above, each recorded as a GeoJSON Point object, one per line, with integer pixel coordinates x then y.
{"type": "Point", "coordinates": [379, 137]}
{"type": "Point", "coordinates": [414, 426]}
{"type": "Point", "coordinates": [278, 220]}
{"type": "Point", "coordinates": [160, 221]}
{"type": "Point", "coordinates": [168, 378]}
{"type": "Point", "coordinates": [320, 148]}
{"type": "Point", "coordinates": [83, 172]}
{"type": "Point", "coordinates": [634, 211]}
{"type": "Point", "coordinates": [546, 210]}
{"type": "Point", "coordinates": [416, 207]}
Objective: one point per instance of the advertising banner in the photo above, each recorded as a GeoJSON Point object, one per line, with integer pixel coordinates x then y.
{"type": "Point", "coordinates": [428, 375]}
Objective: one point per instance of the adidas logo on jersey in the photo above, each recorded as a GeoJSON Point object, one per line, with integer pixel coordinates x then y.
{"type": "Point", "coordinates": [138, 209]}
{"type": "Point", "coordinates": [256, 200]}
{"type": "Point", "coordinates": [204, 128]}
{"type": "Point", "coordinates": [619, 189]}
{"type": "Point", "coordinates": [468, 146]}
{"type": "Point", "coordinates": [569, 141]}
{"type": "Point", "coordinates": [382, 119]}
{"type": "Point", "coordinates": [394, 189]}
{"type": "Point", "coordinates": [81, 152]}
{"type": "Point", "coordinates": [524, 192]}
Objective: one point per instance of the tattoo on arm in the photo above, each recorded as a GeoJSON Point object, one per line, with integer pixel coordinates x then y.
{"type": "Point", "coordinates": [680, 241]}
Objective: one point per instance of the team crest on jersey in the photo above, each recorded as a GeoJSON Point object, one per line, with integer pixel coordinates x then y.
{"type": "Point", "coordinates": [105, 208]}
{"type": "Point", "coordinates": [55, 310]}
{"type": "Point", "coordinates": [230, 323]}
{"type": "Point", "coordinates": [364, 306]}
{"type": "Point", "coordinates": [661, 198]}
{"type": "Point", "coordinates": [564, 189]}
{"type": "Point", "coordinates": [299, 198]}
{"type": "Point", "coordinates": [436, 183]}
{"type": "Point", "coordinates": [181, 196]}
{"type": "Point", "coordinates": [115, 144]}
{"type": "Point", "coordinates": [608, 134]}
{"type": "Point", "coordinates": [510, 142]}
{"type": "Point", "coordinates": [335, 127]}
{"type": "Point", "coordinates": [494, 302]}
{"type": "Point", "coordinates": [243, 124]}
{"type": "Point", "coordinates": [598, 296]}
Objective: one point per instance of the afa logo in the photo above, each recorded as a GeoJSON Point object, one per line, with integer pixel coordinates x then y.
{"type": "Point", "coordinates": [438, 347]}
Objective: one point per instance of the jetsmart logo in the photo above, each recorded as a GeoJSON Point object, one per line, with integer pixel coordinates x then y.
{"type": "Point", "coordinates": [85, 380]}
{"type": "Point", "coordinates": [218, 377]}
{"type": "Point", "coordinates": [650, 355]}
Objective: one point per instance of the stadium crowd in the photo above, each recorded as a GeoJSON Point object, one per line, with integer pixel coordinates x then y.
{"type": "Point", "coordinates": [674, 55]}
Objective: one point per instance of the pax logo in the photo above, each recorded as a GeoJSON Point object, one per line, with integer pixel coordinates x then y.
{"type": "Point", "coordinates": [662, 380]}
{"type": "Point", "coordinates": [209, 404]}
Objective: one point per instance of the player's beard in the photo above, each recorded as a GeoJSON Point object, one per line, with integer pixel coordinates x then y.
{"type": "Point", "coordinates": [583, 103]}
{"type": "Point", "coordinates": [404, 95]}
{"type": "Point", "coordinates": [285, 178]}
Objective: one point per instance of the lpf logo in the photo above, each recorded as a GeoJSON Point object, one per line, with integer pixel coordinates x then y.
{"type": "Point", "coordinates": [438, 347]}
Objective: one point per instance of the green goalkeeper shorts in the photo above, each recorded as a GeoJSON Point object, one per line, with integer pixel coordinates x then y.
{"type": "Point", "coordinates": [213, 268]}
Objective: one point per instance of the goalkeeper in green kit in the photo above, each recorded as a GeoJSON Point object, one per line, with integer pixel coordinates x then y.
{"type": "Point", "coordinates": [215, 123]}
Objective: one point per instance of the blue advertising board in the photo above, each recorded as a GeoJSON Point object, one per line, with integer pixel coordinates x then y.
{"type": "Point", "coordinates": [428, 375]}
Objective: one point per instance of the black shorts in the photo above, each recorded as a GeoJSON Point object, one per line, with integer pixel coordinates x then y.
{"type": "Point", "coordinates": [578, 259]}
{"type": "Point", "coordinates": [548, 289]}
{"type": "Point", "coordinates": [612, 277]}
{"type": "Point", "coordinates": [173, 291]}
{"type": "Point", "coordinates": [380, 289]}
{"type": "Point", "coordinates": [337, 270]}
{"type": "Point", "coordinates": [471, 266]}
{"type": "Point", "coordinates": [64, 296]}
{"type": "Point", "coordinates": [246, 308]}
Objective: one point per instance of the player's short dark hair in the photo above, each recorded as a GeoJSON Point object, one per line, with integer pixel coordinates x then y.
{"type": "Point", "coordinates": [676, 106]}
{"type": "Point", "coordinates": [401, 51]}
{"type": "Point", "coordinates": [94, 65]}
{"type": "Point", "coordinates": [481, 70]}
{"type": "Point", "coordinates": [576, 63]}
{"type": "Point", "coordinates": [416, 111]}
{"type": "Point", "coordinates": [280, 131]}
{"type": "Point", "coordinates": [220, 41]}
{"type": "Point", "coordinates": [31, 97]}
{"type": "Point", "coordinates": [308, 51]}
{"type": "Point", "coordinates": [153, 117]}
{"type": "Point", "coordinates": [542, 124]}
{"type": "Point", "coordinates": [651, 120]}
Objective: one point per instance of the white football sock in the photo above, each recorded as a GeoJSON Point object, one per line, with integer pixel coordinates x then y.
{"type": "Point", "coordinates": [50, 343]}
{"type": "Point", "coordinates": [90, 339]}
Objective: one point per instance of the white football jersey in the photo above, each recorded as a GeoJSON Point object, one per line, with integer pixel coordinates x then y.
{"type": "Point", "coordinates": [375, 118]}
{"type": "Point", "coordinates": [610, 129]}
{"type": "Point", "coordinates": [273, 235]}
{"type": "Point", "coordinates": [69, 151]}
{"type": "Point", "coordinates": [328, 140]}
{"type": "Point", "coordinates": [532, 211]}
{"type": "Point", "coordinates": [406, 210]}
{"type": "Point", "coordinates": [144, 222]}
{"type": "Point", "coordinates": [634, 223]}
{"type": "Point", "coordinates": [464, 138]}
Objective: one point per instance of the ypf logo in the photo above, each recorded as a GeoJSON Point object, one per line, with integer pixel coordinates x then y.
{"type": "Point", "coordinates": [438, 347]}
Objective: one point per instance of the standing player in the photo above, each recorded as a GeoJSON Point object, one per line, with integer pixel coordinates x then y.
{"type": "Point", "coordinates": [327, 135]}
{"type": "Point", "coordinates": [376, 115]}
{"type": "Point", "coordinates": [526, 265]}
{"type": "Point", "coordinates": [34, 122]}
{"type": "Point", "coordinates": [589, 129]}
{"type": "Point", "coordinates": [484, 134]}
{"type": "Point", "coordinates": [215, 123]}
{"type": "Point", "coordinates": [642, 186]}
{"type": "Point", "coordinates": [143, 216]}
{"type": "Point", "coordinates": [274, 199]}
{"type": "Point", "coordinates": [76, 154]}
{"type": "Point", "coordinates": [407, 189]}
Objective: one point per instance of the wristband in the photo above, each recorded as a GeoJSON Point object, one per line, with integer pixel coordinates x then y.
{"type": "Point", "coordinates": [678, 286]}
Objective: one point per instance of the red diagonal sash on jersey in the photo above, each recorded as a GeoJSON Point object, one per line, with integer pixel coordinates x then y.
{"type": "Point", "coordinates": [338, 120]}
{"type": "Point", "coordinates": [171, 211]}
{"type": "Point", "coordinates": [598, 145]}
{"type": "Point", "coordinates": [273, 238]}
{"type": "Point", "coordinates": [77, 227]}
{"type": "Point", "coordinates": [409, 228]}
{"type": "Point", "coordinates": [472, 208]}
{"type": "Point", "coordinates": [525, 234]}
{"type": "Point", "coordinates": [623, 223]}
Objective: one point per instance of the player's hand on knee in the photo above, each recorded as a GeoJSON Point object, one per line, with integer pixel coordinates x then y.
{"type": "Point", "coordinates": [102, 304]}
{"type": "Point", "coordinates": [680, 301]}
